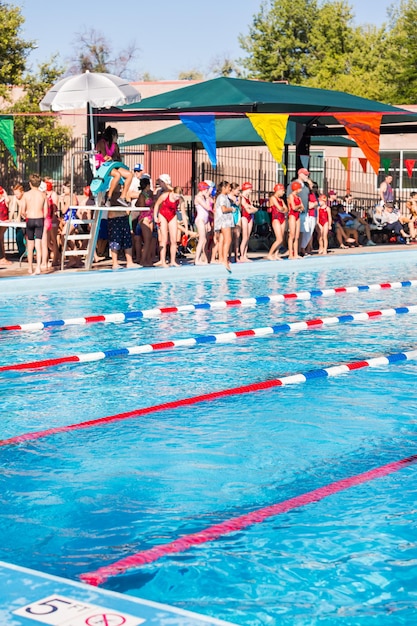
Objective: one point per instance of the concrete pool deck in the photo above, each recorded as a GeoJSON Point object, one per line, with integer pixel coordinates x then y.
{"type": "Point", "coordinates": [14, 278]}
{"type": "Point", "coordinates": [31, 597]}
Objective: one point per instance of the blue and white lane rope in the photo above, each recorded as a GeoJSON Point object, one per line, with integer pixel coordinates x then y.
{"type": "Point", "coordinates": [130, 316]}
{"type": "Point", "coordinates": [210, 339]}
{"type": "Point", "coordinates": [311, 375]}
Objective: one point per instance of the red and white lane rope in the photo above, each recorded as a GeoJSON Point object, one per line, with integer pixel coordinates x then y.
{"type": "Point", "coordinates": [129, 316]}
{"type": "Point", "coordinates": [236, 524]}
{"type": "Point", "coordinates": [228, 337]}
{"type": "Point", "coordinates": [312, 375]}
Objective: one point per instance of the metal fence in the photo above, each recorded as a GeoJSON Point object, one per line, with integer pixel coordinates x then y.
{"type": "Point", "coordinates": [234, 164]}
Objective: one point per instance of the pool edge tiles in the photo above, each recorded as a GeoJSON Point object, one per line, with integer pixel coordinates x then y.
{"type": "Point", "coordinates": [28, 596]}
{"type": "Point", "coordinates": [188, 272]}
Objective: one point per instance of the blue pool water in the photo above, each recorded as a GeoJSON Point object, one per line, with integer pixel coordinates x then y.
{"type": "Point", "coordinates": [76, 501]}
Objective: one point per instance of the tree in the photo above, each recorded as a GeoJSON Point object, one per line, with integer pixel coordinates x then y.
{"type": "Point", "coordinates": [279, 42]}
{"type": "Point", "coordinates": [324, 50]}
{"type": "Point", "coordinates": [332, 35]}
{"type": "Point", "coordinates": [96, 55]}
{"type": "Point", "coordinates": [13, 48]}
{"type": "Point", "coordinates": [400, 65]}
{"type": "Point", "coordinates": [192, 74]}
{"type": "Point", "coordinates": [33, 130]}
{"type": "Point", "coordinates": [225, 66]}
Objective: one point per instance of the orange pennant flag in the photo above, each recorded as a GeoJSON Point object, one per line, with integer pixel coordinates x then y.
{"type": "Point", "coordinates": [365, 130]}
{"type": "Point", "coordinates": [364, 163]}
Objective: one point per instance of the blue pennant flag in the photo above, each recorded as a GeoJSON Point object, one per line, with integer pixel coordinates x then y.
{"type": "Point", "coordinates": [204, 127]}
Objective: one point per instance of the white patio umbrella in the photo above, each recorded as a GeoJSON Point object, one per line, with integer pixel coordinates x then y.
{"type": "Point", "coordinates": [91, 89]}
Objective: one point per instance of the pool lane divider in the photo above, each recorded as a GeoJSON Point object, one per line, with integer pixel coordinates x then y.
{"type": "Point", "coordinates": [309, 376]}
{"type": "Point", "coordinates": [237, 524]}
{"type": "Point", "coordinates": [220, 338]}
{"type": "Point", "coordinates": [130, 316]}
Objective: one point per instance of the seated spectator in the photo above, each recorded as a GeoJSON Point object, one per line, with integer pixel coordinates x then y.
{"type": "Point", "coordinates": [391, 222]}
{"type": "Point", "coordinates": [332, 199]}
{"type": "Point", "coordinates": [412, 215]}
{"type": "Point", "coordinates": [354, 224]}
{"type": "Point", "coordinates": [338, 228]}
{"type": "Point", "coordinates": [349, 203]}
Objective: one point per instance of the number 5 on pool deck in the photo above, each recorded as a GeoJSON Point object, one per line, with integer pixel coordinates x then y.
{"type": "Point", "coordinates": [61, 611]}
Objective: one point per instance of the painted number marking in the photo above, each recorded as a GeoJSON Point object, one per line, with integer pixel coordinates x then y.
{"type": "Point", "coordinates": [61, 611]}
{"type": "Point", "coordinates": [108, 619]}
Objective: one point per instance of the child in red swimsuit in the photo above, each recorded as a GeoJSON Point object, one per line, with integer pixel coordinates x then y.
{"type": "Point", "coordinates": [278, 210]}
{"type": "Point", "coordinates": [324, 222]}
{"type": "Point", "coordinates": [295, 207]}
{"type": "Point", "coordinates": [165, 215]}
{"type": "Point", "coordinates": [247, 214]}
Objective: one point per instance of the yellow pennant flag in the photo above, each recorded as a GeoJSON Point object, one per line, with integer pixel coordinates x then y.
{"type": "Point", "coordinates": [272, 128]}
{"type": "Point", "coordinates": [344, 161]}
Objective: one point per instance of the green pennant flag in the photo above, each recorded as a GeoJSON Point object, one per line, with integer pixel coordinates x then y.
{"type": "Point", "coordinates": [6, 135]}
{"type": "Point", "coordinates": [386, 164]}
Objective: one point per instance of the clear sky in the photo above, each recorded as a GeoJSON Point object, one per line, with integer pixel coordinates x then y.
{"type": "Point", "coordinates": [173, 36]}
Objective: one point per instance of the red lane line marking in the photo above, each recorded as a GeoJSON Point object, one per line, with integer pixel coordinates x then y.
{"type": "Point", "coordinates": [239, 523]}
{"type": "Point", "coordinates": [95, 318]}
{"type": "Point", "coordinates": [214, 395]}
{"type": "Point", "coordinates": [374, 313]}
{"type": "Point", "coordinates": [340, 289]}
{"type": "Point", "coordinates": [169, 309]}
{"type": "Point", "coordinates": [39, 364]}
{"type": "Point", "coordinates": [233, 302]}
{"type": "Point", "coordinates": [385, 285]}
{"type": "Point", "coordinates": [290, 295]}
{"type": "Point", "coordinates": [317, 322]}
{"type": "Point", "coordinates": [10, 328]}
{"type": "Point", "coordinates": [357, 365]}
{"type": "Point", "coordinates": [244, 333]}
{"type": "Point", "coordinates": [163, 345]}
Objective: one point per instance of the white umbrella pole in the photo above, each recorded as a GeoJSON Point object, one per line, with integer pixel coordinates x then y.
{"type": "Point", "coordinates": [90, 116]}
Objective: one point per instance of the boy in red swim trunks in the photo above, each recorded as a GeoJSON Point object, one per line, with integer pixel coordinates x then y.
{"type": "Point", "coordinates": [34, 210]}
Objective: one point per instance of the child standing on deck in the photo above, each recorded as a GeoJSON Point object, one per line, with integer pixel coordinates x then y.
{"type": "Point", "coordinates": [295, 207]}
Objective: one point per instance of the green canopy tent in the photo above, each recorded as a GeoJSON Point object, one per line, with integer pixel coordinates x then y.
{"type": "Point", "coordinates": [237, 96]}
{"type": "Point", "coordinates": [311, 109]}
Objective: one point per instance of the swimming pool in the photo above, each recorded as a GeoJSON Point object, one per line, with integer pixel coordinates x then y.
{"type": "Point", "coordinates": [80, 500]}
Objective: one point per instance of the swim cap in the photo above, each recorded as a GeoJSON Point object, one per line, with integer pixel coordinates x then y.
{"type": "Point", "coordinates": [296, 186]}
{"type": "Point", "coordinates": [203, 186]}
{"type": "Point", "coordinates": [246, 186]}
{"type": "Point", "coordinates": [279, 187]}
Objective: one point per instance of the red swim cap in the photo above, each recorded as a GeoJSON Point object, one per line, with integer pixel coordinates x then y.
{"type": "Point", "coordinates": [203, 186]}
{"type": "Point", "coordinates": [296, 186]}
{"type": "Point", "coordinates": [279, 187]}
{"type": "Point", "coordinates": [246, 186]}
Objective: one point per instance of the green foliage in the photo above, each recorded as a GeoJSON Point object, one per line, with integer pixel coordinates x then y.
{"type": "Point", "coordinates": [279, 42]}
{"type": "Point", "coordinates": [31, 130]}
{"type": "Point", "coordinates": [192, 74]}
{"type": "Point", "coordinates": [318, 45]}
{"type": "Point", "coordinates": [13, 49]}
{"type": "Point", "coordinates": [401, 62]}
